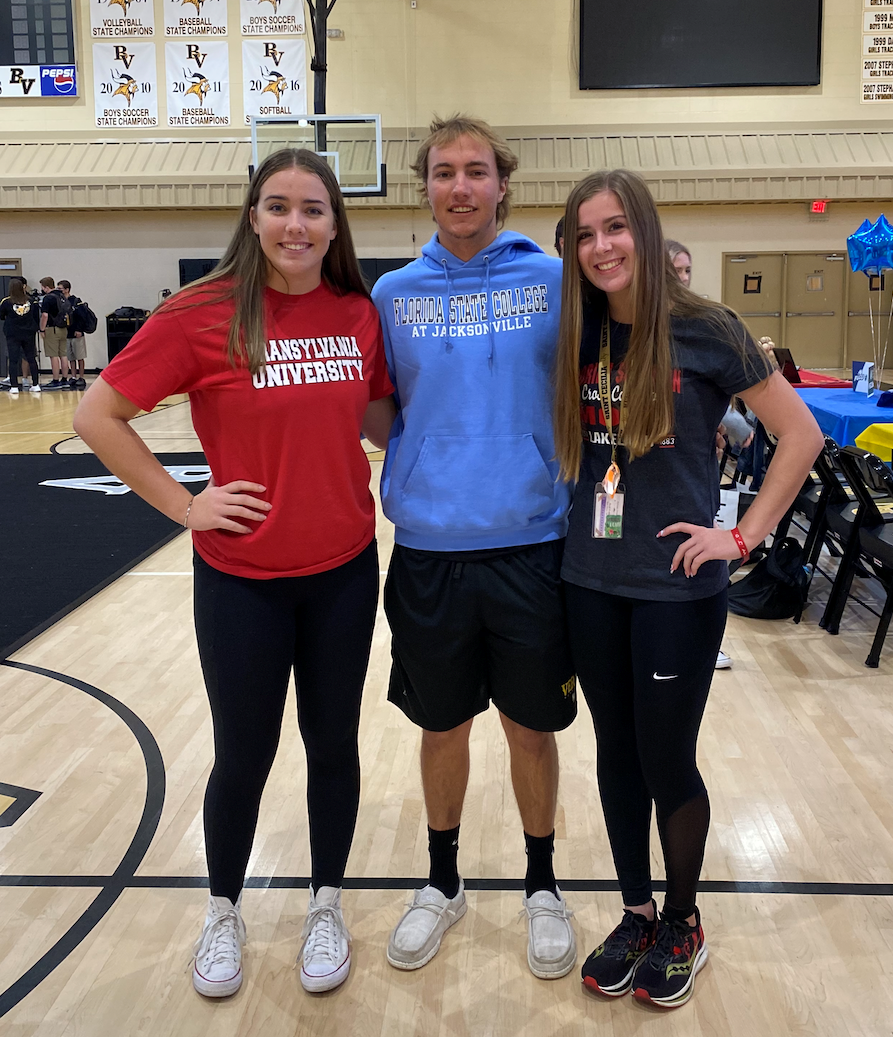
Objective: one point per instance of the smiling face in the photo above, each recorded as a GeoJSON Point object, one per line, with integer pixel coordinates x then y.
{"type": "Point", "coordinates": [682, 265]}
{"type": "Point", "coordinates": [464, 188]}
{"type": "Point", "coordinates": [294, 223]}
{"type": "Point", "coordinates": [606, 251]}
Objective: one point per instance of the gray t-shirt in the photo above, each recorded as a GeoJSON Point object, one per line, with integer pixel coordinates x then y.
{"type": "Point", "coordinates": [676, 481]}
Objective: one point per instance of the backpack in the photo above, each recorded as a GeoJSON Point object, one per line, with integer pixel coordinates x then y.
{"type": "Point", "coordinates": [64, 310]}
{"type": "Point", "coordinates": [84, 319]}
{"type": "Point", "coordinates": [775, 588]}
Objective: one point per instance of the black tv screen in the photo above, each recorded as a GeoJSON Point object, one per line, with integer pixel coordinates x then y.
{"type": "Point", "coordinates": [692, 43]}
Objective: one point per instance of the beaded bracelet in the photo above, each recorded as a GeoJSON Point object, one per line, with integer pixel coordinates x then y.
{"type": "Point", "coordinates": [739, 540]}
{"type": "Point", "coordinates": [188, 509]}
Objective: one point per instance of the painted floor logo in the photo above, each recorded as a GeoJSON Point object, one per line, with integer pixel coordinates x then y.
{"type": "Point", "coordinates": [112, 486]}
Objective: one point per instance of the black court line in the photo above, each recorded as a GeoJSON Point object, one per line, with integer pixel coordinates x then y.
{"type": "Point", "coordinates": [112, 885]}
{"type": "Point", "coordinates": [22, 799]}
{"type": "Point", "coordinates": [816, 889]}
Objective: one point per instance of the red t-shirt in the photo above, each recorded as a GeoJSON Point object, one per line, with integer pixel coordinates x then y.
{"type": "Point", "coordinates": [294, 428]}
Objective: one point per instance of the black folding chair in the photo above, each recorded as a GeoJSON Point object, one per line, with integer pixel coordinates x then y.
{"type": "Point", "coordinates": [871, 545]}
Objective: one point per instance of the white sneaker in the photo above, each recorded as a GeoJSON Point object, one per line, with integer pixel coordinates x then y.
{"type": "Point", "coordinates": [14, 391]}
{"type": "Point", "coordinates": [419, 932]}
{"type": "Point", "coordinates": [217, 970]}
{"type": "Point", "coordinates": [325, 954]}
{"type": "Point", "coordinates": [551, 944]}
{"type": "Point", "coordinates": [26, 382]}
{"type": "Point", "coordinates": [4, 381]}
{"type": "Point", "coordinates": [34, 388]}
{"type": "Point", "coordinates": [723, 661]}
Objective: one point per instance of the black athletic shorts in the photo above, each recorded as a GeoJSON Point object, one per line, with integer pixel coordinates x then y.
{"type": "Point", "coordinates": [468, 632]}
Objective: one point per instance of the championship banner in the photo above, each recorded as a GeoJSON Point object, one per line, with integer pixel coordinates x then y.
{"type": "Point", "coordinates": [197, 83]}
{"type": "Point", "coordinates": [115, 19]}
{"type": "Point", "coordinates": [125, 86]}
{"type": "Point", "coordinates": [274, 78]}
{"type": "Point", "coordinates": [194, 17]}
{"type": "Point", "coordinates": [272, 17]}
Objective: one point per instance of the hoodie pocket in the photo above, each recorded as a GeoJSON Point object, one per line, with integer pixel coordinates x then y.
{"type": "Point", "coordinates": [470, 484]}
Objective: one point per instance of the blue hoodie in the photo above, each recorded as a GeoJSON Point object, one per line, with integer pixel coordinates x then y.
{"type": "Point", "coordinates": [470, 350]}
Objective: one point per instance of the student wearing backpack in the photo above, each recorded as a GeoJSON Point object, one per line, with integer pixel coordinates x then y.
{"type": "Point", "coordinates": [76, 345]}
{"type": "Point", "coordinates": [55, 316]}
{"type": "Point", "coordinates": [20, 319]}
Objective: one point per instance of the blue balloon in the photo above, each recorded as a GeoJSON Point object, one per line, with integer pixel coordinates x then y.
{"type": "Point", "coordinates": [872, 248]}
{"type": "Point", "coordinates": [857, 248]}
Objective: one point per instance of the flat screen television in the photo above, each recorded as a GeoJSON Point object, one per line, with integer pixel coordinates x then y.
{"type": "Point", "coordinates": [699, 43]}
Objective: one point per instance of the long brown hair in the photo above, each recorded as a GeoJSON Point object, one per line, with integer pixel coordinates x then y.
{"type": "Point", "coordinates": [243, 272]}
{"type": "Point", "coordinates": [17, 290]}
{"type": "Point", "coordinates": [656, 293]}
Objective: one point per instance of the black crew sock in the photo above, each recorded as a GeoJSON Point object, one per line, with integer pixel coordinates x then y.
{"type": "Point", "coordinates": [443, 848]}
{"type": "Point", "coordinates": [539, 864]}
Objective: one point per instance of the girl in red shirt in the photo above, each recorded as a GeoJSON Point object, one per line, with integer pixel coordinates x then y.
{"type": "Point", "coordinates": [281, 354]}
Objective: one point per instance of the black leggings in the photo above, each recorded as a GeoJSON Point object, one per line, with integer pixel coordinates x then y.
{"type": "Point", "coordinates": [250, 635]}
{"type": "Point", "coordinates": [16, 348]}
{"type": "Point", "coordinates": [645, 669]}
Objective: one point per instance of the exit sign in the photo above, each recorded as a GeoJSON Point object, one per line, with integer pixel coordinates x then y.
{"type": "Point", "coordinates": [819, 206]}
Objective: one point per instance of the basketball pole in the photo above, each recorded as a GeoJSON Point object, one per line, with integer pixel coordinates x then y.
{"type": "Point", "coordinates": [319, 17]}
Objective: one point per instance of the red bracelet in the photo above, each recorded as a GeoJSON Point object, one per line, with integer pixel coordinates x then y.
{"type": "Point", "coordinates": [739, 540]}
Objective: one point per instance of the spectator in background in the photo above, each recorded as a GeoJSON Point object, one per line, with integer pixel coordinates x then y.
{"type": "Point", "coordinates": [76, 346]}
{"type": "Point", "coordinates": [20, 318]}
{"type": "Point", "coordinates": [559, 238]}
{"type": "Point", "coordinates": [54, 328]}
{"type": "Point", "coordinates": [680, 257]}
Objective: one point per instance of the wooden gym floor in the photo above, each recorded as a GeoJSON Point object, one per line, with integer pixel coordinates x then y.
{"type": "Point", "coordinates": [105, 716]}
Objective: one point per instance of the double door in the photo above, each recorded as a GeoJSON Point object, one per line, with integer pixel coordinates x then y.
{"type": "Point", "coordinates": [798, 299]}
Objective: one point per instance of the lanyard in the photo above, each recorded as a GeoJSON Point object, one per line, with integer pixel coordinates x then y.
{"type": "Point", "coordinates": [611, 480]}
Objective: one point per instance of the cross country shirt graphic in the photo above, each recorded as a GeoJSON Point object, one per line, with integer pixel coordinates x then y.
{"type": "Point", "coordinates": [294, 427]}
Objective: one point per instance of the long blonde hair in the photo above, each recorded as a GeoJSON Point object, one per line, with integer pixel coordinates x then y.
{"type": "Point", "coordinates": [656, 293]}
{"type": "Point", "coordinates": [242, 274]}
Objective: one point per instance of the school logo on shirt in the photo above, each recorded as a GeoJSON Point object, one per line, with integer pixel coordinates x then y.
{"type": "Point", "coordinates": [308, 361]}
{"type": "Point", "coordinates": [472, 313]}
{"type": "Point", "coordinates": [591, 414]}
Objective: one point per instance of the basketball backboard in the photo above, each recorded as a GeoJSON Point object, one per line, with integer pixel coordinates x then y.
{"type": "Point", "coordinates": [350, 143]}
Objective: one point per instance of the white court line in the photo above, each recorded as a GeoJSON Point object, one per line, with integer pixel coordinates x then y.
{"type": "Point", "coordinates": [64, 432]}
{"type": "Point", "coordinates": [158, 574]}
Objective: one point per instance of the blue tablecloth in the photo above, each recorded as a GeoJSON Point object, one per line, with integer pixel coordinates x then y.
{"type": "Point", "coordinates": [843, 414]}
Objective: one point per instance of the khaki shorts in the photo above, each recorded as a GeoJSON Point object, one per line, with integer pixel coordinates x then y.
{"type": "Point", "coordinates": [77, 348]}
{"type": "Point", "coordinates": [55, 342]}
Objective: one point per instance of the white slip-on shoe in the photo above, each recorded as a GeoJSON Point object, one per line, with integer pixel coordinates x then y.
{"type": "Point", "coordinates": [723, 661]}
{"type": "Point", "coordinates": [217, 969]}
{"type": "Point", "coordinates": [551, 944]}
{"type": "Point", "coordinates": [325, 954]}
{"type": "Point", "coordinates": [418, 934]}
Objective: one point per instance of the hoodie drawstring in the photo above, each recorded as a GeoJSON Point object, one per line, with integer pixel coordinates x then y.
{"type": "Point", "coordinates": [489, 321]}
{"type": "Point", "coordinates": [448, 342]}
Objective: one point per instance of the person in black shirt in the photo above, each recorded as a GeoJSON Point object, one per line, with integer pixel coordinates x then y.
{"type": "Point", "coordinates": [645, 372]}
{"type": "Point", "coordinates": [21, 318]}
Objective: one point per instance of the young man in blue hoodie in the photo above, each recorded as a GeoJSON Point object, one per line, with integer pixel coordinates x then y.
{"type": "Point", "coordinates": [473, 594]}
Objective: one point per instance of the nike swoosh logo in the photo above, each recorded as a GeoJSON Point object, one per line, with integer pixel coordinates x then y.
{"type": "Point", "coordinates": [669, 677]}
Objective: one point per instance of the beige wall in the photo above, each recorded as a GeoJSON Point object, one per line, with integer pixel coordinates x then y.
{"type": "Point", "coordinates": [512, 62]}
{"type": "Point", "coordinates": [116, 259]}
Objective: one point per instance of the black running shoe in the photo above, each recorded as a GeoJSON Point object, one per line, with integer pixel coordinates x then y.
{"type": "Point", "coordinates": [81, 383]}
{"type": "Point", "coordinates": [666, 974]}
{"type": "Point", "coordinates": [609, 969]}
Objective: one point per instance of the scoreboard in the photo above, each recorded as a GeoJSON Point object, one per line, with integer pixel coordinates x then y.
{"type": "Point", "coordinates": [36, 49]}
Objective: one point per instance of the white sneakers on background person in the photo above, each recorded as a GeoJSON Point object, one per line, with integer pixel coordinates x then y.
{"type": "Point", "coordinates": [723, 661]}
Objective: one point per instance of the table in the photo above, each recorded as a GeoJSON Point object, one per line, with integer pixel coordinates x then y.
{"type": "Point", "coordinates": [843, 414]}
{"type": "Point", "coordinates": [878, 440]}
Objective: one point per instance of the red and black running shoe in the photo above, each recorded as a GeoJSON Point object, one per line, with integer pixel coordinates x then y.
{"type": "Point", "coordinates": [609, 969]}
{"type": "Point", "coordinates": [665, 977]}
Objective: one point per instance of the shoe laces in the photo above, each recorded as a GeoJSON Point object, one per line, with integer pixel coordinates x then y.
{"type": "Point", "coordinates": [221, 939]}
{"type": "Point", "coordinates": [559, 911]}
{"type": "Point", "coordinates": [322, 934]}
{"type": "Point", "coordinates": [426, 905]}
{"type": "Point", "coordinates": [627, 934]}
{"type": "Point", "coordinates": [669, 942]}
